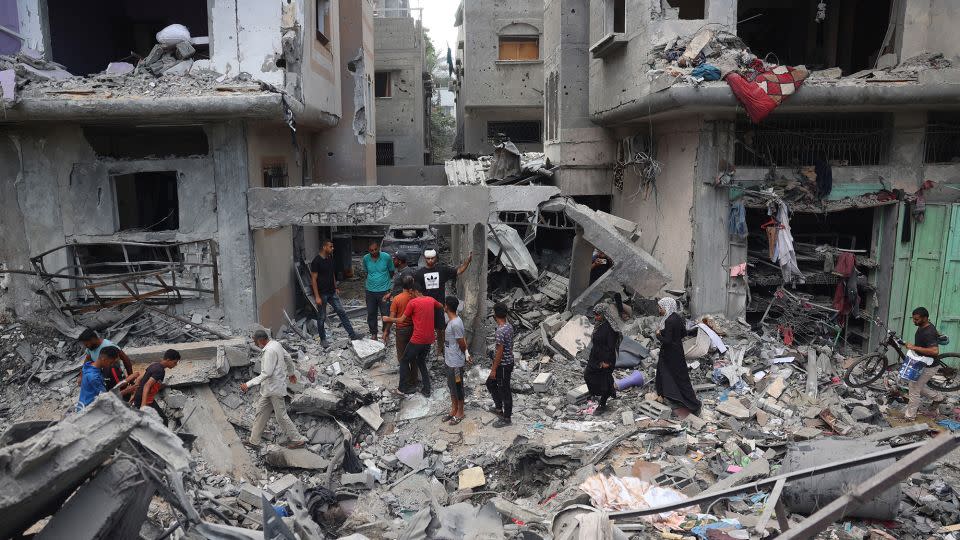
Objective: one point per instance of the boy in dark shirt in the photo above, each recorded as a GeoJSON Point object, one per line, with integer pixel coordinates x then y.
{"type": "Point", "coordinates": [323, 281]}
{"type": "Point", "coordinates": [152, 382]}
{"type": "Point", "coordinates": [926, 345]}
{"type": "Point", "coordinates": [498, 381]}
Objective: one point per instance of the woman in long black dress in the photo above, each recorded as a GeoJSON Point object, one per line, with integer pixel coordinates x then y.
{"type": "Point", "coordinates": [673, 379]}
{"type": "Point", "coordinates": [605, 343]}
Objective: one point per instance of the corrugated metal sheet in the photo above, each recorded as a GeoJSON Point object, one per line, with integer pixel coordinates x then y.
{"type": "Point", "coordinates": [465, 172]}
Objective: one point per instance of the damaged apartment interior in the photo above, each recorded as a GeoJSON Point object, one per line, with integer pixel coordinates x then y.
{"type": "Point", "coordinates": [737, 221]}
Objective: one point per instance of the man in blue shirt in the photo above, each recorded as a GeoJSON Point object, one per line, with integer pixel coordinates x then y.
{"type": "Point", "coordinates": [91, 376]}
{"type": "Point", "coordinates": [112, 373]}
{"type": "Point", "coordinates": [380, 269]}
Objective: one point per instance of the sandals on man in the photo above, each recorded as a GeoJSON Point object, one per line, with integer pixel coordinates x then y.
{"type": "Point", "coordinates": [447, 418]}
{"type": "Point", "coordinates": [456, 420]}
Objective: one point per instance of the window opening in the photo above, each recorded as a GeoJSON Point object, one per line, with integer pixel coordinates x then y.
{"type": "Point", "coordinates": [942, 140]}
{"type": "Point", "coordinates": [521, 48]}
{"type": "Point", "coordinates": [385, 157]}
{"type": "Point", "coordinates": [86, 36]}
{"type": "Point", "coordinates": [146, 142]}
{"type": "Point", "coordinates": [147, 201]}
{"type": "Point", "coordinates": [517, 132]}
{"type": "Point", "coordinates": [849, 139]}
{"type": "Point", "coordinates": [383, 84]}
{"type": "Point", "coordinates": [689, 9]}
{"type": "Point", "coordinates": [275, 175]}
{"type": "Point", "coordinates": [323, 21]}
{"type": "Point", "coordinates": [619, 16]}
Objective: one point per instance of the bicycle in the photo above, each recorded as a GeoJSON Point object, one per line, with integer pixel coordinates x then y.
{"type": "Point", "coordinates": [872, 366]}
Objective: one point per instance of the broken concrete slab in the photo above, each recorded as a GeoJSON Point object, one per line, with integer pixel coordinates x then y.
{"type": "Point", "coordinates": [280, 486]}
{"type": "Point", "coordinates": [184, 50]}
{"type": "Point", "coordinates": [361, 479]}
{"type": "Point", "coordinates": [119, 68]}
{"type": "Point", "coordinates": [757, 468]}
{"type": "Point", "coordinates": [298, 458]}
{"type": "Point", "coordinates": [654, 409]}
{"type": "Point", "coordinates": [371, 415]}
{"type": "Point", "coordinates": [47, 467]}
{"type": "Point", "coordinates": [574, 336]}
{"type": "Point", "coordinates": [412, 456]}
{"type": "Point", "coordinates": [733, 407]}
{"type": "Point", "coordinates": [315, 400]}
{"type": "Point", "coordinates": [471, 478]}
{"type": "Point", "coordinates": [111, 505]}
{"type": "Point", "coordinates": [217, 440]}
{"type": "Point", "coordinates": [368, 351]}
{"type": "Point", "coordinates": [413, 407]}
{"type": "Point", "coordinates": [199, 361]}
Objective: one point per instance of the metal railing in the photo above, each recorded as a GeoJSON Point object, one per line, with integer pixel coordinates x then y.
{"type": "Point", "coordinates": [848, 139]}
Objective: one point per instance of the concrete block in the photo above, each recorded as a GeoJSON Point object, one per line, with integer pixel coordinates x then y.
{"type": "Point", "coordinates": [733, 407]}
{"type": "Point", "coordinates": [627, 418]}
{"type": "Point", "coordinates": [184, 50]}
{"type": "Point", "coordinates": [371, 415]}
{"type": "Point", "coordinates": [542, 382]}
{"type": "Point", "coordinates": [654, 409]}
{"type": "Point", "coordinates": [299, 458]}
{"type": "Point", "coordinates": [364, 479]}
{"type": "Point", "coordinates": [315, 400]}
{"type": "Point", "coordinates": [390, 461]}
{"type": "Point", "coordinates": [471, 478]}
{"type": "Point", "coordinates": [250, 494]}
{"type": "Point", "coordinates": [281, 485]}
{"type": "Point", "coordinates": [694, 422]}
{"type": "Point", "coordinates": [368, 351]}
{"type": "Point", "coordinates": [580, 393]}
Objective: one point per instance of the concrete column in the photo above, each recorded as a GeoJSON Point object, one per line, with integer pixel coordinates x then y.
{"type": "Point", "coordinates": [472, 285]}
{"type": "Point", "coordinates": [236, 266]}
{"type": "Point", "coordinates": [580, 260]}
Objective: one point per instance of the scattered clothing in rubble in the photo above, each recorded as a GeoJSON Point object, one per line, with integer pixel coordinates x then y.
{"type": "Point", "coordinates": [784, 254]}
{"type": "Point", "coordinates": [605, 342]}
{"type": "Point", "coordinates": [706, 72]}
{"type": "Point", "coordinates": [767, 89]}
{"type": "Point", "coordinates": [715, 339]}
{"type": "Point", "coordinates": [673, 379]}
{"type": "Point", "coordinates": [738, 220]}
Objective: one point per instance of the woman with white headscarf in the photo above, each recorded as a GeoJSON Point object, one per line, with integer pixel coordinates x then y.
{"type": "Point", "coordinates": [605, 342]}
{"type": "Point", "coordinates": [673, 379]}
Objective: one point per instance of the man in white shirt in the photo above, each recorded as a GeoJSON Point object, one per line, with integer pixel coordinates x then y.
{"type": "Point", "coordinates": [276, 364]}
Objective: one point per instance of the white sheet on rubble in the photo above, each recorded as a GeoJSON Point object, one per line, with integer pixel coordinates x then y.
{"type": "Point", "coordinates": [614, 493]}
{"type": "Point", "coordinates": [516, 255]}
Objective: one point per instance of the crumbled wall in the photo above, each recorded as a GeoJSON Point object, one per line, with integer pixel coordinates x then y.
{"type": "Point", "coordinates": [400, 116]}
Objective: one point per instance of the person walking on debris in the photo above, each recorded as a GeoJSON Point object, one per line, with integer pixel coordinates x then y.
{"type": "Point", "coordinates": [920, 357]}
{"type": "Point", "coordinates": [380, 270]}
{"type": "Point", "coordinates": [152, 382]}
{"type": "Point", "coordinates": [455, 357]}
{"type": "Point", "coordinates": [498, 382]}
{"type": "Point", "coordinates": [324, 282]}
{"type": "Point", "coordinates": [276, 367]}
{"type": "Point", "coordinates": [112, 373]}
{"type": "Point", "coordinates": [673, 379]}
{"type": "Point", "coordinates": [433, 277]}
{"type": "Point", "coordinates": [402, 271]}
{"type": "Point", "coordinates": [605, 342]}
{"type": "Point", "coordinates": [404, 331]}
{"type": "Point", "coordinates": [420, 310]}
{"type": "Point", "coordinates": [92, 378]}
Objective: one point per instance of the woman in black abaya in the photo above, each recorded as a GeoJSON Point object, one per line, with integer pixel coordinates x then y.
{"type": "Point", "coordinates": [673, 379]}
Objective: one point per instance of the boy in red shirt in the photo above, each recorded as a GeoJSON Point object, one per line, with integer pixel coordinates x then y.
{"type": "Point", "coordinates": [421, 311]}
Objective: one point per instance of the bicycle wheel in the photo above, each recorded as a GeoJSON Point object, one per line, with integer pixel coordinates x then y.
{"type": "Point", "coordinates": [866, 370]}
{"type": "Point", "coordinates": [947, 378]}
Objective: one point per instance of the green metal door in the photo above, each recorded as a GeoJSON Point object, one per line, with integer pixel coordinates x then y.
{"type": "Point", "coordinates": [948, 321]}
{"type": "Point", "coordinates": [926, 265]}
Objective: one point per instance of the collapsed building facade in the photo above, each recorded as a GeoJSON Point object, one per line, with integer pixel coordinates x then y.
{"type": "Point", "coordinates": [257, 94]}
{"type": "Point", "coordinates": [637, 123]}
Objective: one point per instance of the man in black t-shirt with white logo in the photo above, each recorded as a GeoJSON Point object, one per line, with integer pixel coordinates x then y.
{"type": "Point", "coordinates": [324, 283]}
{"type": "Point", "coordinates": [926, 345]}
{"type": "Point", "coordinates": [433, 277]}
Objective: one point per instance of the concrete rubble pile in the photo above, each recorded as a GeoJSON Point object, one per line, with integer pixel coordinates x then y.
{"type": "Point", "coordinates": [377, 465]}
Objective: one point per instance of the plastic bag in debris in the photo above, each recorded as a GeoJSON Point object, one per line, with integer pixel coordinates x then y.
{"type": "Point", "coordinates": [173, 34]}
{"type": "Point", "coordinates": [614, 493]}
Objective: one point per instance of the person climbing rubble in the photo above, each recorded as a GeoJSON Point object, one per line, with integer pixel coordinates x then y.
{"type": "Point", "coordinates": [501, 370]}
{"type": "Point", "coordinates": [919, 359]}
{"type": "Point", "coordinates": [673, 380]}
{"type": "Point", "coordinates": [277, 366]}
{"type": "Point", "coordinates": [433, 277]}
{"type": "Point", "coordinates": [605, 342]}
{"type": "Point", "coordinates": [152, 382]}
{"type": "Point", "coordinates": [455, 358]}
{"type": "Point", "coordinates": [112, 373]}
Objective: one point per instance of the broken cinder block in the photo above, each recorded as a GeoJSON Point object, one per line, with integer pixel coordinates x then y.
{"type": "Point", "coordinates": [542, 382]}
{"type": "Point", "coordinates": [281, 485]}
{"type": "Point", "coordinates": [578, 394]}
{"type": "Point", "coordinates": [654, 409]}
{"type": "Point", "coordinates": [250, 494]}
{"type": "Point", "coordinates": [184, 50]}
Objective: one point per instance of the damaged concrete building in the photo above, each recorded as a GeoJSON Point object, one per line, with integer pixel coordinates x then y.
{"type": "Point", "coordinates": [633, 111]}
{"type": "Point", "coordinates": [158, 148]}
{"type": "Point", "coordinates": [499, 69]}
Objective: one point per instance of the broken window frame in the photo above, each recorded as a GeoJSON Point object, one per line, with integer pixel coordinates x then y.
{"type": "Point", "coordinates": [495, 127]}
{"type": "Point", "coordinates": [323, 22]}
{"type": "Point", "coordinates": [275, 173]}
{"type": "Point", "coordinates": [106, 289]}
{"type": "Point", "coordinates": [119, 227]}
{"type": "Point", "coordinates": [384, 77]}
{"type": "Point", "coordinates": [943, 127]}
{"type": "Point", "coordinates": [614, 12]}
{"type": "Point", "coordinates": [382, 149]}
{"type": "Point", "coordinates": [680, 10]}
{"type": "Point", "coordinates": [517, 40]}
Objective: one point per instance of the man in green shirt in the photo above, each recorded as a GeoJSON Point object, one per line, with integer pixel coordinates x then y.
{"type": "Point", "coordinates": [380, 269]}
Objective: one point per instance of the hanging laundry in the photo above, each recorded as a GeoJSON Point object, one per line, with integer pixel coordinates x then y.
{"type": "Point", "coordinates": [767, 89]}
{"type": "Point", "coordinates": [824, 178]}
{"type": "Point", "coordinates": [738, 220]}
{"type": "Point", "coordinates": [828, 264]}
{"type": "Point", "coordinates": [846, 263]}
{"type": "Point", "coordinates": [785, 255]}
